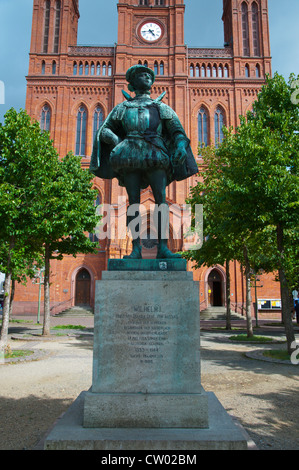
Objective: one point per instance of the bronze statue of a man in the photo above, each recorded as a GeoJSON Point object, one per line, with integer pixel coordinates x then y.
{"type": "Point", "coordinates": [142, 143]}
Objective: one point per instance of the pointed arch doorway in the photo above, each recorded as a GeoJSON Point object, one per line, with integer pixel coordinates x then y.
{"type": "Point", "coordinates": [215, 289]}
{"type": "Point", "coordinates": [83, 286]}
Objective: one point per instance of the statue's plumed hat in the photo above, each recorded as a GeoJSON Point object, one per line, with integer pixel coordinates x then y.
{"type": "Point", "coordinates": [135, 69]}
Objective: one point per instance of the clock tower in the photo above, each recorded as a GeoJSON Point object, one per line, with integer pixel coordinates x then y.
{"type": "Point", "coordinates": [151, 32]}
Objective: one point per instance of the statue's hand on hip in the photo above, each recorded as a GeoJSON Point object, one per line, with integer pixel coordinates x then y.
{"type": "Point", "coordinates": [180, 153]}
{"type": "Point", "coordinates": [110, 138]}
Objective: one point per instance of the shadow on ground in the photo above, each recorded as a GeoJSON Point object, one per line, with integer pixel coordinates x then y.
{"type": "Point", "coordinates": [24, 421]}
{"type": "Point", "coordinates": [276, 417]}
{"type": "Point", "coordinates": [230, 356]}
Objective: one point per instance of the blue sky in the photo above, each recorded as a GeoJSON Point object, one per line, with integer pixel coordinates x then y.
{"type": "Point", "coordinates": [98, 25]}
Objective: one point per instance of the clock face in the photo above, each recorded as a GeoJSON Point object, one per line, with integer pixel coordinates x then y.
{"type": "Point", "coordinates": [150, 31]}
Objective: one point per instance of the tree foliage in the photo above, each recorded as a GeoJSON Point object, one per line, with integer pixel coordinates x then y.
{"type": "Point", "coordinates": [250, 192]}
{"type": "Point", "coordinates": [46, 204]}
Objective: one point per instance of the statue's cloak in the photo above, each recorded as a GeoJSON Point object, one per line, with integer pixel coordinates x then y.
{"type": "Point", "coordinates": [172, 130]}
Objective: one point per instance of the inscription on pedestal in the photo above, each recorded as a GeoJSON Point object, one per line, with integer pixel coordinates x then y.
{"type": "Point", "coordinates": [146, 334]}
{"type": "Point", "coordinates": [147, 329]}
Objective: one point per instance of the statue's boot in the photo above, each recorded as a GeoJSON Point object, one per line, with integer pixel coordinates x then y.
{"type": "Point", "coordinates": [136, 252]}
{"type": "Point", "coordinates": [164, 252]}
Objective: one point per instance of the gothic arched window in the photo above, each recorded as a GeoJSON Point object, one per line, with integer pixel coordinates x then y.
{"type": "Point", "coordinates": [75, 68]}
{"type": "Point", "coordinates": [43, 67]}
{"type": "Point", "coordinates": [57, 25]}
{"type": "Point", "coordinates": [161, 68]}
{"type": "Point", "coordinates": [245, 29]}
{"type": "Point", "coordinates": [53, 67]}
{"type": "Point", "coordinates": [255, 30]}
{"type": "Point", "coordinates": [98, 119]}
{"type": "Point", "coordinates": [46, 26]}
{"type": "Point", "coordinates": [45, 121]}
{"type": "Point", "coordinates": [219, 119]}
{"type": "Point", "coordinates": [203, 127]}
{"type": "Point", "coordinates": [86, 69]}
{"type": "Point", "coordinates": [92, 68]}
{"type": "Point", "coordinates": [109, 69]}
{"type": "Point", "coordinates": [257, 71]}
{"type": "Point", "coordinates": [81, 131]}
{"type": "Point", "coordinates": [80, 68]}
{"type": "Point", "coordinates": [156, 68]}
{"type": "Point", "coordinates": [247, 73]}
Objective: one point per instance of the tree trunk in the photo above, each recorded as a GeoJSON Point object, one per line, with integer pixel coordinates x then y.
{"type": "Point", "coordinates": [6, 303]}
{"type": "Point", "coordinates": [248, 305]}
{"type": "Point", "coordinates": [46, 324]}
{"type": "Point", "coordinates": [12, 294]}
{"type": "Point", "coordinates": [5, 312]}
{"type": "Point", "coordinates": [228, 310]}
{"type": "Point", "coordinates": [286, 306]}
{"type": "Point", "coordinates": [248, 295]}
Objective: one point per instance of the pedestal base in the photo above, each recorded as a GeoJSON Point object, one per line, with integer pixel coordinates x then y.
{"type": "Point", "coordinates": [138, 410]}
{"type": "Point", "coordinates": [146, 390]}
{"type": "Point", "coordinates": [222, 434]}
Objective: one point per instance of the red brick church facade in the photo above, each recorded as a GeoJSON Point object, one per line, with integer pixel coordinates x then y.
{"type": "Point", "coordinates": [72, 88]}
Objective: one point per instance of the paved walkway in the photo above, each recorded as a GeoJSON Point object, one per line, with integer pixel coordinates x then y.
{"type": "Point", "coordinates": [268, 325]}
{"type": "Point", "coordinates": [263, 396]}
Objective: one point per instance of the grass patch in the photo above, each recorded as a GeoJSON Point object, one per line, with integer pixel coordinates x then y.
{"type": "Point", "coordinates": [260, 339]}
{"type": "Point", "coordinates": [223, 328]}
{"type": "Point", "coordinates": [280, 354]}
{"type": "Point", "coordinates": [279, 323]}
{"type": "Point", "coordinates": [68, 327]}
{"type": "Point", "coordinates": [17, 353]}
{"type": "Point", "coordinates": [13, 320]}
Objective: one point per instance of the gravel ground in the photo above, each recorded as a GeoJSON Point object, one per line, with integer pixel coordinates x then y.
{"type": "Point", "coordinates": [261, 395]}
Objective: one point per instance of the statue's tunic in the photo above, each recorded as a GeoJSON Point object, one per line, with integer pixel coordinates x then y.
{"type": "Point", "coordinates": [149, 131]}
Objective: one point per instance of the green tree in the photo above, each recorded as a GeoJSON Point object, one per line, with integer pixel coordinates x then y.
{"type": "Point", "coordinates": [260, 184]}
{"type": "Point", "coordinates": [223, 242]}
{"type": "Point", "coordinates": [25, 155]}
{"type": "Point", "coordinates": [264, 158]}
{"type": "Point", "coordinates": [217, 247]}
{"type": "Point", "coordinates": [64, 212]}
{"type": "Point", "coordinates": [259, 187]}
{"type": "Point", "coordinates": [46, 205]}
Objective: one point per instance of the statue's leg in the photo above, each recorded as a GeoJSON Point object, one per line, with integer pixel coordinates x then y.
{"type": "Point", "coordinates": [158, 182]}
{"type": "Point", "coordinates": [132, 182]}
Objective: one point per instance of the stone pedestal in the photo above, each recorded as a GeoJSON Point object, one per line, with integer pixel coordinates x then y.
{"type": "Point", "coordinates": [146, 369]}
{"type": "Point", "coordinates": [146, 389]}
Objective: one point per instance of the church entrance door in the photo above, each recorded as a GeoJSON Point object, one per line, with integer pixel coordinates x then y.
{"type": "Point", "coordinates": [215, 289]}
{"type": "Point", "coordinates": [82, 297]}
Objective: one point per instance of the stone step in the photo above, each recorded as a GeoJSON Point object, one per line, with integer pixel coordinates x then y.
{"type": "Point", "coordinates": [218, 313]}
{"type": "Point", "coordinates": [76, 312]}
